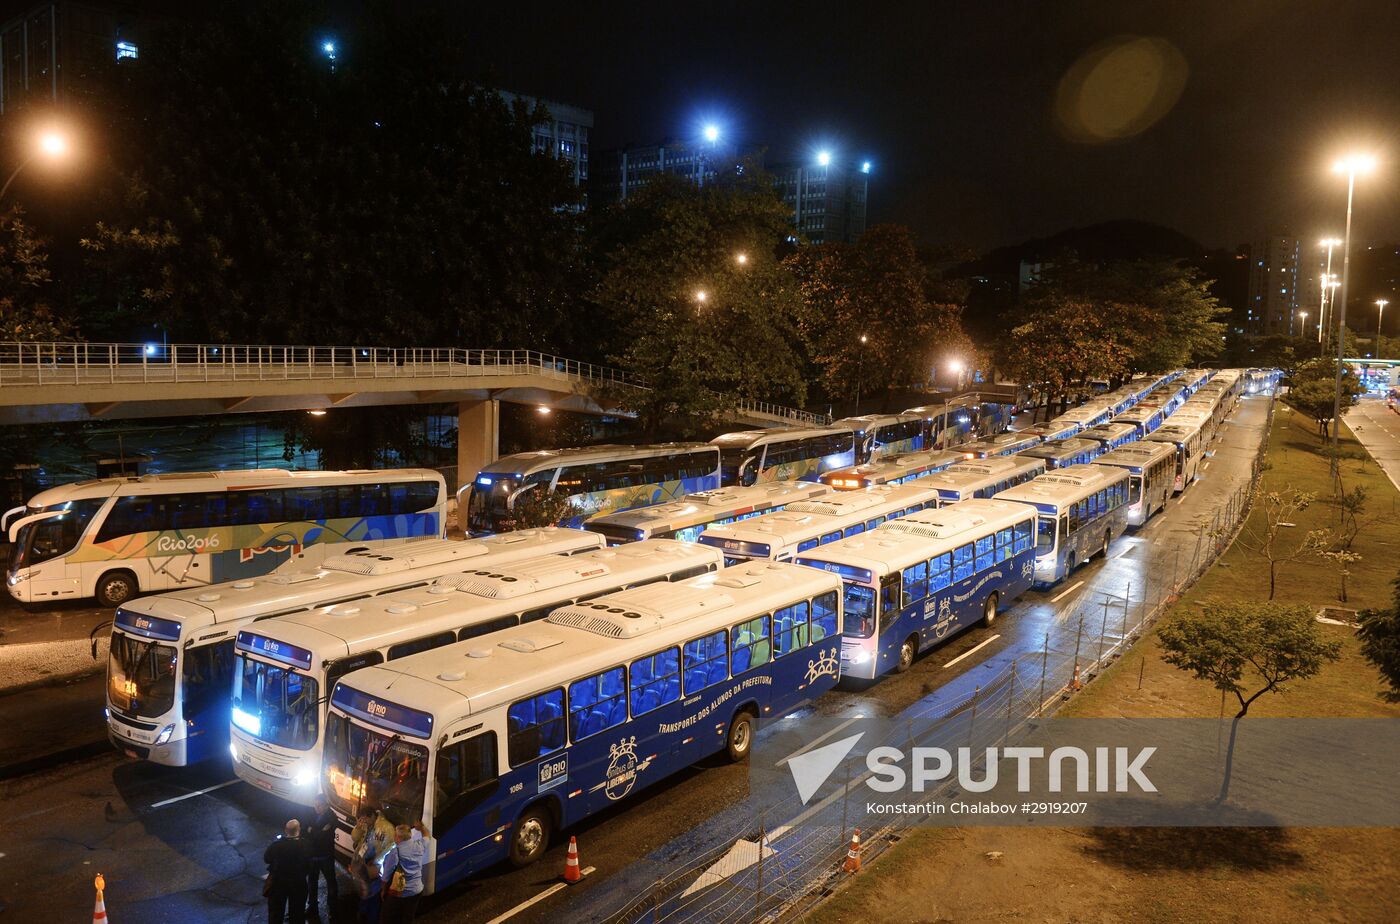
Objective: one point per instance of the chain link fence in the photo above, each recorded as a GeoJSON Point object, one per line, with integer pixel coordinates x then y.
{"type": "Point", "coordinates": [782, 858]}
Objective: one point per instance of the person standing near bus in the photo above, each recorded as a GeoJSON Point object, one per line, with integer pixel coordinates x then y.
{"type": "Point", "coordinates": [286, 876]}
{"type": "Point", "coordinates": [402, 874]}
{"type": "Point", "coordinates": [320, 835]}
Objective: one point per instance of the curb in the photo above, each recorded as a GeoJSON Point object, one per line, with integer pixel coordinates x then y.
{"type": "Point", "coordinates": [55, 759]}
{"type": "Point", "coordinates": [55, 680]}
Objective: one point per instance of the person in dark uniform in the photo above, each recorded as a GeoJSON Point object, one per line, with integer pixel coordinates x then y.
{"type": "Point", "coordinates": [287, 862]}
{"type": "Point", "coordinates": [320, 838]}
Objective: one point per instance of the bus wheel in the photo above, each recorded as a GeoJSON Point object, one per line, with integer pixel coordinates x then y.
{"type": "Point", "coordinates": [740, 739]}
{"type": "Point", "coordinates": [1071, 563]}
{"type": "Point", "coordinates": [531, 836]}
{"type": "Point", "coordinates": [989, 610]}
{"type": "Point", "coordinates": [115, 588]}
{"type": "Point", "coordinates": [907, 651]}
{"type": "Point", "coordinates": [1107, 538]}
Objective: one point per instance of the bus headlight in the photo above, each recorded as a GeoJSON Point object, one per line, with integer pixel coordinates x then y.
{"type": "Point", "coordinates": [303, 777]}
{"type": "Point", "coordinates": [860, 657]}
{"type": "Point", "coordinates": [165, 733]}
{"type": "Point", "coordinates": [249, 723]}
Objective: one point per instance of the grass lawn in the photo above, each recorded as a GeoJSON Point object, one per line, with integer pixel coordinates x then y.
{"type": "Point", "coordinates": [1183, 874]}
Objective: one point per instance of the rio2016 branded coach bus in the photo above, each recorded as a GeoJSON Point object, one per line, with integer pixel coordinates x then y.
{"type": "Point", "coordinates": [783, 454]}
{"type": "Point", "coordinates": [916, 581]}
{"type": "Point", "coordinates": [1080, 510]}
{"type": "Point", "coordinates": [982, 478]}
{"type": "Point", "coordinates": [686, 519]}
{"type": "Point", "coordinates": [808, 524]}
{"type": "Point", "coordinates": [597, 479]}
{"type": "Point", "coordinates": [881, 435]}
{"type": "Point", "coordinates": [284, 667]}
{"type": "Point", "coordinates": [501, 743]}
{"type": "Point", "coordinates": [1151, 467]}
{"type": "Point", "coordinates": [114, 537]}
{"type": "Point", "coordinates": [900, 469]}
{"type": "Point", "coordinates": [170, 663]}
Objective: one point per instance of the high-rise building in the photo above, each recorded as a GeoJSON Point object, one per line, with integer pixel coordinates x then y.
{"type": "Point", "coordinates": [53, 53]}
{"type": "Point", "coordinates": [619, 173]}
{"type": "Point", "coordinates": [1275, 278]}
{"type": "Point", "coordinates": [564, 133]}
{"type": "Point", "coordinates": [828, 197]}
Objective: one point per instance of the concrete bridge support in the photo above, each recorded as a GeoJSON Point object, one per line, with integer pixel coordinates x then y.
{"type": "Point", "coordinates": [478, 437]}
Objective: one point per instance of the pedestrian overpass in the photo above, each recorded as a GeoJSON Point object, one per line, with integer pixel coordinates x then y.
{"type": "Point", "coordinates": [47, 382]}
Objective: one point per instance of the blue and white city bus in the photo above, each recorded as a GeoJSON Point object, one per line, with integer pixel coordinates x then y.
{"type": "Point", "coordinates": [1185, 438]}
{"type": "Point", "coordinates": [687, 518]}
{"type": "Point", "coordinates": [1052, 430]}
{"type": "Point", "coordinates": [982, 478]}
{"type": "Point", "coordinates": [900, 469]}
{"type": "Point", "coordinates": [1151, 468]}
{"type": "Point", "coordinates": [881, 435]}
{"type": "Point", "coordinates": [501, 743]}
{"type": "Point", "coordinates": [1062, 453]}
{"type": "Point", "coordinates": [1089, 414]}
{"type": "Point", "coordinates": [1112, 435]}
{"type": "Point", "coordinates": [170, 663]}
{"type": "Point", "coordinates": [916, 581]}
{"type": "Point", "coordinates": [1080, 511]}
{"type": "Point", "coordinates": [1003, 444]}
{"type": "Point", "coordinates": [284, 667]}
{"type": "Point", "coordinates": [1144, 418]}
{"type": "Point", "coordinates": [807, 524]}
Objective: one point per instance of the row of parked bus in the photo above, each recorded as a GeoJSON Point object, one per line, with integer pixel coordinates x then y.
{"type": "Point", "coordinates": [502, 688]}
{"type": "Point", "coordinates": [600, 480]}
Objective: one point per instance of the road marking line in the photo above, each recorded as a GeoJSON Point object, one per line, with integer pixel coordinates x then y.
{"type": "Point", "coordinates": [1124, 552]}
{"type": "Point", "coordinates": [972, 651]}
{"type": "Point", "coordinates": [1067, 591]}
{"type": "Point", "coordinates": [816, 741]}
{"type": "Point", "coordinates": [538, 898]}
{"type": "Point", "coordinates": [1206, 466]}
{"type": "Point", "coordinates": [191, 795]}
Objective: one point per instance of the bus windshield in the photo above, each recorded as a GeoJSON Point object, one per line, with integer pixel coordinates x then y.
{"type": "Point", "coordinates": [275, 704]}
{"type": "Point", "coordinates": [141, 675]}
{"type": "Point", "coordinates": [1045, 534]}
{"type": "Point", "coordinates": [45, 539]}
{"type": "Point", "coordinates": [860, 611]}
{"type": "Point", "coordinates": [730, 463]}
{"type": "Point", "coordinates": [366, 767]}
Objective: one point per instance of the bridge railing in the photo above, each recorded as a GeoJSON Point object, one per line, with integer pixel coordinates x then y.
{"type": "Point", "coordinates": [30, 364]}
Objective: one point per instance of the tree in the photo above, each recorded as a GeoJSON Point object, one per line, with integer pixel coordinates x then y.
{"type": "Point", "coordinates": [1313, 387]}
{"type": "Point", "coordinates": [1380, 642]}
{"type": "Point", "coordinates": [1240, 647]}
{"type": "Point", "coordinates": [1264, 532]}
{"type": "Point", "coordinates": [25, 280]}
{"type": "Point", "coordinates": [1066, 342]}
{"type": "Point", "coordinates": [700, 326]}
{"type": "Point", "coordinates": [255, 193]}
{"type": "Point", "coordinates": [538, 507]}
{"type": "Point", "coordinates": [868, 319]}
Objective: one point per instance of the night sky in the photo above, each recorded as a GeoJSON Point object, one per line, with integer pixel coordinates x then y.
{"type": "Point", "coordinates": [1233, 111]}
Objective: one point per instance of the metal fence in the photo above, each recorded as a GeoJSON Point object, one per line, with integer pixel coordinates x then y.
{"type": "Point", "coordinates": [32, 364]}
{"type": "Point", "coordinates": [794, 853]}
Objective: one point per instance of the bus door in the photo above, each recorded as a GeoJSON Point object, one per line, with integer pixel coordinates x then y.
{"type": "Point", "coordinates": [467, 806]}
{"type": "Point", "coordinates": [890, 600]}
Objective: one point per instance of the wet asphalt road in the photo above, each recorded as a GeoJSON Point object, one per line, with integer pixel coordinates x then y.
{"type": "Point", "coordinates": [172, 852]}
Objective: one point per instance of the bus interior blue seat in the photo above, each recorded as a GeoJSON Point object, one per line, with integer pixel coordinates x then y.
{"type": "Point", "coordinates": [741, 660]}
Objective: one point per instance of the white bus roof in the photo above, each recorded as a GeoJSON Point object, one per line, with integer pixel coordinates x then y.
{"type": "Point", "coordinates": [201, 482]}
{"type": "Point", "coordinates": [1175, 431]}
{"type": "Point", "coordinates": [938, 409]}
{"type": "Point", "coordinates": [866, 422]}
{"type": "Point", "coordinates": [809, 518]}
{"type": "Point", "coordinates": [459, 600]}
{"type": "Point", "coordinates": [468, 678]}
{"type": "Point", "coordinates": [1110, 430]}
{"type": "Point", "coordinates": [705, 506]}
{"type": "Point", "coordinates": [979, 473]}
{"type": "Point", "coordinates": [746, 439]}
{"type": "Point", "coordinates": [352, 575]}
{"type": "Point", "coordinates": [899, 543]}
{"type": "Point", "coordinates": [1059, 449]}
{"type": "Point", "coordinates": [1065, 485]}
{"type": "Point", "coordinates": [523, 463]}
{"type": "Point", "coordinates": [895, 466]}
{"type": "Point", "coordinates": [1137, 455]}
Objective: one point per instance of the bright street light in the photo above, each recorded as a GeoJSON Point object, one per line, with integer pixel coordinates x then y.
{"type": "Point", "coordinates": [711, 133]}
{"type": "Point", "coordinates": [865, 166]}
{"type": "Point", "coordinates": [1354, 164]}
{"type": "Point", "coordinates": [741, 258]}
{"type": "Point", "coordinates": [700, 295]}
{"type": "Point", "coordinates": [51, 145]}
{"type": "Point", "coordinates": [1380, 313]}
{"type": "Point", "coordinates": [824, 158]}
{"type": "Point", "coordinates": [1351, 165]}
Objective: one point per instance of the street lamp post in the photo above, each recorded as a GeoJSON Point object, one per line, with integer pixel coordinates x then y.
{"type": "Point", "coordinates": [1351, 166]}
{"type": "Point", "coordinates": [51, 145]}
{"type": "Point", "coordinates": [1329, 243]}
{"type": "Point", "coordinates": [1380, 313]}
{"type": "Point", "coordinates": [1303, 326]}
{"type": "Point", "coordinates": [860, 368]}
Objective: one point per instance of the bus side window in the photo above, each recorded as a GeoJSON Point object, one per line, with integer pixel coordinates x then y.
{"type": "Point", "coordinates": [830, 537]}
{"type": "Point", "coordinates": [963, 566]}
{"type": "Point", "coordinates": [463, 776]}
{"type": "Point", "coordinates": [790, 629]}
{"type": "Point", "coordinates": [704, 662]}
{"type": "Point", "coordinates": [535, 727]}
{"type": "Point", "coordinates": [536, 614]}
{"type": "Point", "coordinates": [915, 582]}
{"type": "Point", "coordinates": [854, 530]}
{"type": "Point", "coordinates": [1024, 531]}
{"type": "Point", "coordinates": [824, 616]}
{"type": "Point", "coordinates": [889, 594]}
{"type": "Point", "coordinates": [482, 628]}
{"type": "Point", "coordinates": [597, 703]}
{"type": "Point", "coordinates": [428, 642]}
{"type": "Point", "coordinates": [692, 572]}
{"type": "Point", "coordinates": [655, 681]}
{"type": "Point", "coordinates": [806, 544]}
{"type": "Point", "coordinates": [1005, 545]}
{"type": "Point", "coordinates": [986, 552]}
{"type": "Point", "coordinates": [939, 572]}
{"type": "Point", "coordinates": [751, 647]}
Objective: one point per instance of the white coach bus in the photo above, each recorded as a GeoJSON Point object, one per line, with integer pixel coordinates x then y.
{"type": "Point", "coordinates": [112, 538]}
{"type": "Point", "coordinates": [170, 665]}
{"type": "Point", "coordinates": [285, 667]}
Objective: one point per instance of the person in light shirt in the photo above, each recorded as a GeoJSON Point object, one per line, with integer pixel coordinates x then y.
{"type": "Point", "coordinates": [407, 856]}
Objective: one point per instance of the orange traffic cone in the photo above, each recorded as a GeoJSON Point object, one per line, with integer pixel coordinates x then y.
{"type": "Point", "coordinates": [853, 855]}
{"type": "Point", "coordinates": [571, 863]}
{"type": "Point", "coordinates": [99, 911]}
{"type": "Point", "coordinates": [1075, 684]}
